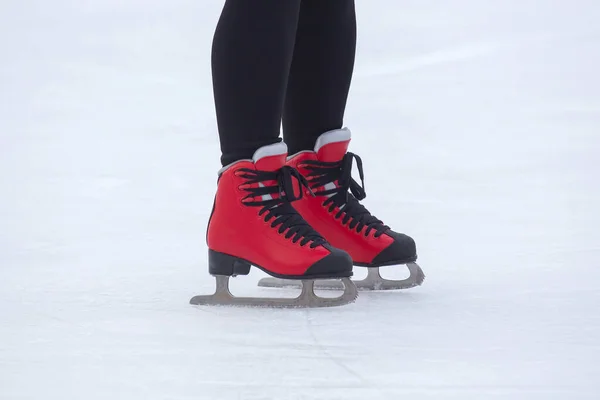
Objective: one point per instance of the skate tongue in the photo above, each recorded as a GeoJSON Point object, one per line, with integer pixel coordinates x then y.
{"type": "Point", "coordinates": [332, 146]}
{"type": "Point", "coordinates": [271, 157]}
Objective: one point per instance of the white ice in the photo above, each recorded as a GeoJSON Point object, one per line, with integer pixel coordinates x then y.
{"type": "Point", "coordinates": [478, 122]}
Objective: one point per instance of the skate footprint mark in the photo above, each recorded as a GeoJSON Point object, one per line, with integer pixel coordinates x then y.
{"type": "Point", "coordinates": [104, 185]}
{"type": "Point", "coordinates": [324, 350]}
{"type": "Point", "coordinates": [458, 53]}
{"type": "Point", "coordinates": [434, 58]}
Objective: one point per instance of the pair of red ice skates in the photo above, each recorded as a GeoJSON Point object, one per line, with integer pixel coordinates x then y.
{"type": "Point", "coordinates": [313, 243]}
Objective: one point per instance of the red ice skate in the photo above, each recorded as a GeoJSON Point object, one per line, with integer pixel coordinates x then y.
{"type": "Point", "coordinates": [336, 213]}
{"type": "Point", "coordinates": [254, 223]}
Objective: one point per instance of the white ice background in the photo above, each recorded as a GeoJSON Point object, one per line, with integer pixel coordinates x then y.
{"type": "Point", "coordinates": [478, 122]}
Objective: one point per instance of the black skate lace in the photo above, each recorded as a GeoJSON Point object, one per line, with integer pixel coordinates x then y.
{"type": "Point", "coordinates": [279, 207]}
{"type": "Point", "coordinates": [346, 195]}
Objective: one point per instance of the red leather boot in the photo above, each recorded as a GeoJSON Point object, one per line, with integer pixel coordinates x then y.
{"type": "Point", "coordinates": [254, 223]}
{"type": "Point", "coordinates": [336, 213]}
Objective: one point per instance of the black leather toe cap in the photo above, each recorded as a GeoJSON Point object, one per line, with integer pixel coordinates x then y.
{"type": "Point", "coordinates": [402, 250]}
{"type": "Point", "coordinates": [337, 264]}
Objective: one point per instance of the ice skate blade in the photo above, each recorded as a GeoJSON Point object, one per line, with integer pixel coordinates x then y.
{"type": "Point", "coordinates": [306, 299]}
{"type": "Point", "coordinates": [373, 281]}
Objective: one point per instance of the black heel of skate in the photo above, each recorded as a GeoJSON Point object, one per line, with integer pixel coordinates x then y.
{"type": "Point", "coordinates": [224, 264]}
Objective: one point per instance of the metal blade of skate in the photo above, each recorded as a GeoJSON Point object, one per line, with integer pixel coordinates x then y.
{"type": "Point", "coordinates": [306, 299]}
{"type": "Point", "coordinates": [373, 281]}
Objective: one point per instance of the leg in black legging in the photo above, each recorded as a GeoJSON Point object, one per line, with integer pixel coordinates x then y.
{"type": "Point", "coordinates": [251, 56]}
{"type": "Point", "coordinates": [321, 71]}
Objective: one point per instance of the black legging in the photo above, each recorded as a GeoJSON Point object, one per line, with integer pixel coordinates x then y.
{"type": "Point", "coordinates": [274, 59]}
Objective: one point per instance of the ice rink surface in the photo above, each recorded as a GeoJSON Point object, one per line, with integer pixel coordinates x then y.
{"type": "Point", "coordinates": [478, 122]}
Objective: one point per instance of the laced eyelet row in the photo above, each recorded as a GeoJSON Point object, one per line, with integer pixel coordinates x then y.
{"type": "Point", "coordinates": [347, 192]}
{"type": "Point", "coordinates": [275, 198]}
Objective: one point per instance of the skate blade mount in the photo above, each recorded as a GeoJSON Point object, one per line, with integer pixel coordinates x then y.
{"type": "Point", "coordinates": [306, 299]}
{"type": "Point", "coordinates": [373, 281]}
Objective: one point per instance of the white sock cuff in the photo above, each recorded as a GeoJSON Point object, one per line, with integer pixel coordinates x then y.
{"type": "Point", "coordinates": [334, 136]}
{"type": "Point", "coordinates": [275, 149]}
